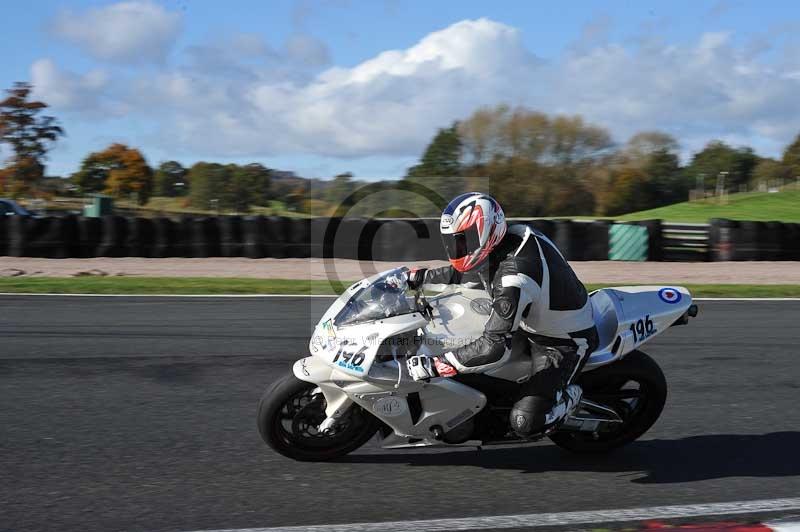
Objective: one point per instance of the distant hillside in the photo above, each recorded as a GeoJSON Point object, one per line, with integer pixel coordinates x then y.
{"type": "Point", "coordinates": [757, 206]}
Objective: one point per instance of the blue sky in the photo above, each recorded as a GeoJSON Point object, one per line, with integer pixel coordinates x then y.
{"type": "Point", "coordinates": [323, 87]}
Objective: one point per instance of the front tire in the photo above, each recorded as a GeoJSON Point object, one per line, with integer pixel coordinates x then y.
{"type": "Point", "coordinates": [289, 413]}
{"type": "Point", "coordinates": [635, 387]}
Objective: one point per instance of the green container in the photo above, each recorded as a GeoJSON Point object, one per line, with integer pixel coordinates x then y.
{"type": "Point", "coordinates": [100, 205]}
{"type": "Point", "coordinates": [627, 242]}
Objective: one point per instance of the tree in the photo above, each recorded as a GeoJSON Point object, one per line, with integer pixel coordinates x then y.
{"type": "Point", "coordinates": [625, 191]}
{"type": "Point", "coordinates": [170, 180]}
{"type": "Point", "coordinates": [442, 157]}
{"type": "Point", "coordinates": [643, 145]}
{"type": "Point", "coordinates": [769, 171]}
{"type": "Point", "coordinates": [791, 158]}
{"type": "Point", "coordinates": [118, 170]}
{"type": "Point", "coordinates": [439, 170]}
{"type": "Point", "coordinates": [231, 186]}
{"type": "Point", "coordinates": [29, 134]}
{"type": "Point", "coordinates": [718, 157]}
{"type": "Point", "coordinates": [656, 154]}
{"type": "Point", "coordinates": [667, 183]}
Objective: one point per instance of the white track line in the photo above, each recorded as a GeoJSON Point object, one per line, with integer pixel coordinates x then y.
{"type": "Point", "coordinates": [549, 519]}
{"type": "Point", "coordinates": [755, 299]}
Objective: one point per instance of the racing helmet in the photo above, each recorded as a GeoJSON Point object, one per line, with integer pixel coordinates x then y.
{"type": "Point", "coordinates": [472, 225]}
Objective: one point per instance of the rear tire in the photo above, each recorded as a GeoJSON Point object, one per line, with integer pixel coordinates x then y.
{"type": "Point", "coordinates": [289, 413]}
{"type": "Point", "coordinates": [638, 416]}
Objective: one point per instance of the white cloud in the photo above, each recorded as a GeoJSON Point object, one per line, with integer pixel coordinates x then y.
{"type": "Point", "coordinates": [69, 91]}
{"type": "Point", "coordinates": [259, 101]}
{"type": "Point", "coordinates": [127, 32]}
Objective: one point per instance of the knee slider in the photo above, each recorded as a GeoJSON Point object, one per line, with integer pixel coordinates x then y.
{"type": "Point", "coordinates": [527, 417]}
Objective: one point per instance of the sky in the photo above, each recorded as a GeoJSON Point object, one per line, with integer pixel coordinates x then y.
{"type": "Point", "coordinates": [330, 86]}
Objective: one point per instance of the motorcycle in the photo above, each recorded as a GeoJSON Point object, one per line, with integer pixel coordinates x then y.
{"type": "Point", "coordinates": [355, 383]}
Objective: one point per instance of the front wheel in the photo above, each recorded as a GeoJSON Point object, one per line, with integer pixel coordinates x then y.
{"type": "Point", "coordinates": [635, 388]}
{"type": "Point", "coordinates": [290, 413]}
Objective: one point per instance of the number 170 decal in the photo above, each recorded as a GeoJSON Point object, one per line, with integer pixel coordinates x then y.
{"type": "Point", "coordinates": [643, 329]}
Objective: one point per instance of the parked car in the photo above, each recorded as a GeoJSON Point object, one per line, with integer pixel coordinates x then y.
{"type": "Point", "coordinates": [12, 208]}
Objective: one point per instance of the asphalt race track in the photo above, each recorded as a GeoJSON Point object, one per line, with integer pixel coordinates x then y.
{"type": "Point", "coordinates": [126, 413]}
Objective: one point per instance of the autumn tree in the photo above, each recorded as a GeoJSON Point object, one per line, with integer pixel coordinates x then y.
{"type": "Point", "coordinates": [118, 170]}
{"type": "Point", "coordinates": [29, 134]}
{"type": "Point", "coordinates": [536, 164]}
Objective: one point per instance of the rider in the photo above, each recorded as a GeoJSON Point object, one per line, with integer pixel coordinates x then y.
{"type": "Point", "coordinates": [536, 298]}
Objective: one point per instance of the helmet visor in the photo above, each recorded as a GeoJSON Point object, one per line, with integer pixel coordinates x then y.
{"type": "Point", "coordinates": [461, 244]}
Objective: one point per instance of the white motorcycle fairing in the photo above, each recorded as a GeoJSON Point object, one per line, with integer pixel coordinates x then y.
{"type": "Point", "coordinates": [363, 361]}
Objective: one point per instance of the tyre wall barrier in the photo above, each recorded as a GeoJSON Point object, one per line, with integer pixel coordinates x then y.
{"type": "Point", "coordinates": [253, 228]}
{"type": "Point", "coordinates": [655, 239]}
{"type": "Point", "coordinates": [206, 238]}
{"type": "Point", "coordinates": [114, 237]}
{"type": "Point", "coordinates": [165, 237]}
{"type": "Point", "coordinates": [276, 236]}
{"type": "Point", "coordinates": [90, 233]}
{"type": "Point", "coordinates": [359, 238]}
{"type": "Point", "coordinates": [298, 238]}
{"type": "Point", "coordinates": [47, 237]}
{"type": "Point", "coordinates": [4, 223]}
{"type": "Point", "coordinates": [399, 240]}
{"type": "Point", "coordinates": [231, 239]}
{"type": "Point", "coordinates": [140, 240]}
{"type": "Point", "coordinates": [722, 237]}
{"type": "Point", "coordinates": [184, 237]}
{"type": "Point", "coordinates": [790, 242]}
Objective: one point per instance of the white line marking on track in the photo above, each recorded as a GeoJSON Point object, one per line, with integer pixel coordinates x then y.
{"type": "Point", "coordinates": [549, 519]}
{"type": "Point", "coordinates": [25, 294]}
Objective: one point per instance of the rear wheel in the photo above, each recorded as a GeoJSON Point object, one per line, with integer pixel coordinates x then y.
{"type": "Point", "coordinates": [290, 413]}
{"type": "Point", "coordinates": [635, 388]}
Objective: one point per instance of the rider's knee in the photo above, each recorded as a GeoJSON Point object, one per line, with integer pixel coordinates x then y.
{"type": "Point", "coordinates": [528, 415]}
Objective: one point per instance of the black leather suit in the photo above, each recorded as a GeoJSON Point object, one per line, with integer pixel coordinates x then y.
{"type": "Point", "coordinates": [535, 294]}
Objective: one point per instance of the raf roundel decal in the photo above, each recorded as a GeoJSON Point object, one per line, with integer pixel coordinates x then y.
{"type": "Point", "coordinates": [669, 295]}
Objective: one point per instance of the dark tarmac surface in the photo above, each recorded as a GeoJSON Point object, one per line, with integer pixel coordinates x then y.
{"type": "Point", "coordinates": [139, 414]}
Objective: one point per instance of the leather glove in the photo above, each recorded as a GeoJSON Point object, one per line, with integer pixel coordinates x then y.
{"type": "Point", "coordinates": [423, 368]}
{"type": "Point", "coordinates": [416, 277]}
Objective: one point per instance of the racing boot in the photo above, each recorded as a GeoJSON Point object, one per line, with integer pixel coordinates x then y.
{"type": "Point", "coordinates": [566, 403]}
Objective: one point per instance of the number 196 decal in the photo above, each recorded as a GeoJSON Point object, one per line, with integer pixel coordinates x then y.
{"type": "Point", "coordinates": [643, 329]}
{"type": "Point", "coordinates": [350, 360]}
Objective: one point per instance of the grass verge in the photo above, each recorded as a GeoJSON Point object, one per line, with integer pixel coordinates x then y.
{"type": "Point", "coordinates": [216, 285]}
